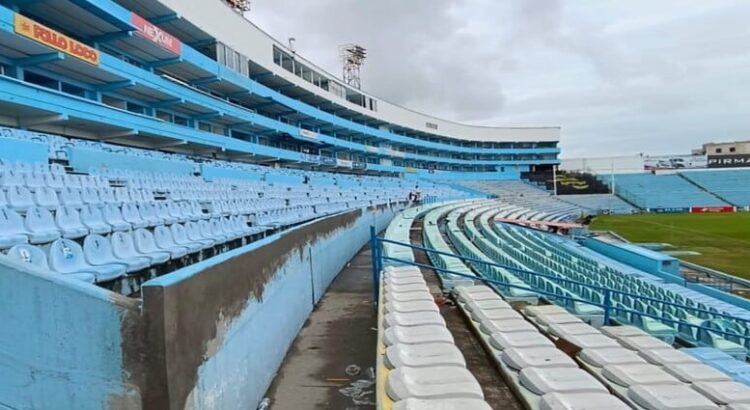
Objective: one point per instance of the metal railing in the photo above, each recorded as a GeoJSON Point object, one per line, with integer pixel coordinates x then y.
{"type": "Point", "coordinates": [611, 308]}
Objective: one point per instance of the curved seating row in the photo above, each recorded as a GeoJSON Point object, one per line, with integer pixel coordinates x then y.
{"type": "Point", "coordinates": [419, 366]}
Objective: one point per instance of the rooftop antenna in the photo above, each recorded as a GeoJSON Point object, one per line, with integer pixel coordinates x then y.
{"type": "Point", "coordinates": [352, 57]}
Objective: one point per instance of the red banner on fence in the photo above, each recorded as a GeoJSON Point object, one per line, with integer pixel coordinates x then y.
{"type": "Point", "coordinates": [711, 209]}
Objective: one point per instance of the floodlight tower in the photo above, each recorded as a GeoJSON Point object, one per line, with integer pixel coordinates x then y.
{"type": "Point", "coordinates": [240, 6]}
{"type": "Point", "coordinates": [352, 57]}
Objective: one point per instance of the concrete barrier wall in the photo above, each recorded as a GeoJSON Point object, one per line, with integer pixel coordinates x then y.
{"type": "Point", "coordinates": [64, 344]}
{"type": "Point", "coordinates": [218, 331]}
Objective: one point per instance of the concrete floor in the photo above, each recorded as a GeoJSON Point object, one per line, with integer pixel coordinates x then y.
{"type": "Point", "coordinates": [341, 332]}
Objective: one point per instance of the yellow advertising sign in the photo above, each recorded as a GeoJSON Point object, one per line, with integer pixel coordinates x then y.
{"type": "Point", "coordinates": [60, 42]}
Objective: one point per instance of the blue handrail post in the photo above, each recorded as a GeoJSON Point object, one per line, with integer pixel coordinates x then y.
{"type": "Point", "coordinates": [607, 305]}
{"type": "Point", "coordinates": [375, 254]}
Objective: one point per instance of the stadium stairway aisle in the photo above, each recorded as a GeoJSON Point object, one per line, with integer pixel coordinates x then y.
{"type": "Point", "coordinates": [329, 364]}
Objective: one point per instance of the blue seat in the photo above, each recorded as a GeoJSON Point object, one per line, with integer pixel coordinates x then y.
{"type": "Point", "coordinates": [66, 257]}
{"type": "Point", "coordinates": [36, 257]}
{"type": "Point", "coordinates": [41, 226]}
{"type": "Point", "coordinates": [165, 240]}
{"type": "Point", "coordinates": [68, 221]}
{"type": "Point", "coordinates": [123, 247]}
{"type": "Point", "coordinates": [12, 229]}
{"type": "Point", "coordinates": [93, 219]}
{"type": "Point", "coordinates": [145, 243]}
{"type": "Point", "coordinates": [98, 251]}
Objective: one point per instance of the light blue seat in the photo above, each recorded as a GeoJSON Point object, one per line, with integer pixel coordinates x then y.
{"type": "Point", "coordinates": [207, 230]}
{"type": "Point", "coordinates": [90, 196]}
{"type": "Point", "coordinates": [46, 197]}
{"type": "Point", "coordinates": [66, 257]}
{"type": "Point", "coordinates": [113, 218]}
{"type": "Point", "coordinates": [164, 239]}
{"type": "Point", "coordinates": [41, 226]}
{"type": "Point", "coordinates": [194, 233]}
{"type": "Point", "coordinates": [179, 236]}
{"type": "Point", "coordinates": [148, 214]}
{"type": "Point", "coordinates": [98, 251]}
{"type": "Point", "coordinates": [69, 223]}
{"type": "Point", "coordinates": [123, 247]}
{"type": "Point", "coordinates": [36, 257]}
{"type": "Point", "coordinates": [162, 211]}
{"type": "Point", "coordinates": [93, 219]}
{"type": "Point", "coordinates": [20, 198]}
{"type": "Point", "coordinates": [71, 197]}
{"type": "Point", "coordinates": [710, 339]}
{"type": "Point", "coordinates": [145, 243]}
{"type": "Point", "coordinates": [12, 229]}
{"type": "Point", "coordinates": [131, 215]}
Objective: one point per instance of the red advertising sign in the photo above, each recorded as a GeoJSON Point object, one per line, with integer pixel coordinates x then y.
{"type": "Point", "coordinates": [711, 209]}
{"type": "Point", "coordinates": [151, 32]}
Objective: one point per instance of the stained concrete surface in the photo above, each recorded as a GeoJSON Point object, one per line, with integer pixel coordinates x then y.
{"type": "Point", "coordinates": [340, 333]}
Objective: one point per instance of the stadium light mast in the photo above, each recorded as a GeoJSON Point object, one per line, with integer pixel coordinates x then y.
{"type": "Point", "coordinates": [240, 6]}
{"type": "Point", "coordinates": [352, 57]}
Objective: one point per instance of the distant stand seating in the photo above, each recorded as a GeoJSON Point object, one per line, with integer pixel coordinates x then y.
{"type": "Point", "coordinates": [570, 183]}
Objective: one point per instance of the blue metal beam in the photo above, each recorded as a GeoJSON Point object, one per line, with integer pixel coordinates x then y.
{"type": "Point", "coordinates": [38, 59]}
{"type": "Point", "coordinates": [115, 85]}
{"type": "Point", "coordinates": [262, 75]}
{"type": "Point", "coordinates": [168, 103]}
{"type": "Point", "coordinates": [207, 116]}
{"type": "Point", "coordinates": [117, 35]}
{"type": "Point", "coordinates": [164, 19]}
{"type": "Point", "coordinates": [205, 80]}
{"type": "Point", "coordinates": [238, 94]}
{"type": "Point", "coordinates": [165, 62]}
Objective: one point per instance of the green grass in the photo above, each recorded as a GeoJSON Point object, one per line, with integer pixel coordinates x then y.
{"type": "Point", "coordinates": [723, 240]}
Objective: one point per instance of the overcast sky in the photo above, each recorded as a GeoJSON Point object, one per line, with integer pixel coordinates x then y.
{"type": "Point", "coordinates": [619, 77]}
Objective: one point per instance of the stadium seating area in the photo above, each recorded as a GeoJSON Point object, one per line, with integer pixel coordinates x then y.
{"type": "Point", "coordinates": [600, 203]}
{"type": "Point", "coordinates": [105, 224]}
{"type": "Point", "coordinates": [629, 363]}
{"type": "Point", "coordinates": [732, 186]}
{"type": "Point", "coordinates": [649, 191]}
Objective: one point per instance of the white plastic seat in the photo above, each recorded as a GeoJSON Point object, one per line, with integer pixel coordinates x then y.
{"type": "Point", "coordinates": [179, 233]}
{"type": "Point", "coordinates": [423, 295]}
{"type": "Point", "coordinates": [417, 335]}
{"type": "Point", "coordinates": [69, 223]}
{"type": "Point", "coordinates": [667, 356]}
{"type": "Point", "coordinates": [176, 212]}
{"type": "Point", "coordinates": [34, 180]}
{"type": "Point", "coordinates": [556, 318]}
{"type": "Point", "coordinates": [122, 195]}
{"type": "Point", "coordinates": [424, 355]}
{"type": "Point", "coordinates": [12, 229]}
{"type": "Point", "coordinates": [145, 243]}
{"type": "Point", "coordinates": [123, 247]}
{"type": "Point", "coordinates": [226, 227]}
{"type": "Point", "coordinates": [147, 212]}
{"type": "Point", "coordinates": [502, 341]}
{"type": "Point", "coordinates": [93, 219]}
{"type": "Point", "coordinates": [10, 178]}
{"type": "Point", "coordinates": [20, 198]}
{"type": "Point", "coordinates": [46, 197]}
{"type": "Point", "coordinates": [36, 257]}
{"type": "Point", "coordinates": [162, 211]}
{"type": "Point", "coordinates": [533, 311]}
{"type": "Point", "coordinates": [595, 341]}
{"type": "Point", "coordinates": [725, 392]}
{"type": "Point", "coordinates": [396, 280]}
{"type": "Point", "coordinates": [541, 381]}
{"type": "Point", "coordinates": [432, 383]}
{"type": "Point", "coordinates": [107, 195]}
{"type": "Point", "coordinates": [113, 218]}
{"type": "Point", "coordinates": [441, 404]}
{"type": "Point", "coordinates": [164, 239]}
{"type": "Point", "coordinates": [540, 357]}
{"type": "Point", "coordinates": [66, 257]}
{"type": "Point", "coordinates": [98, 251]}
{"type": "Point", "coordinates": [72, 181]}
{"type": "Point", "coordinates": [495, 314]}
{"type": "Point", "coordinates": [622, 331]}
{"type": "Point", "coordinates": [610, 356]}
{"type": "Point", "coordinates": [575, 401]}
{"type": "Point", "coordinates": [207, 231]}
{"type": "Point", "coordinates": [41, 226]}
{"type": "Point", "coordinates": [71, 197]}
{"type": "Point", "coordinates": [409, 307]}
{"type": "Point", "coordinates": [627, 375]}
{"type": "Point", "coordinates": [669, 397]}
{"type": "Point", "coordinates": [506, 326]}
{"type": "Point", "coordinates": [54, 181]}
{"type": "Point", "coordinates": [413, 319]}
{"type": "Point", "coordinates": [486, 304]}
{"type": "Point", "coordinates": [572, 329]}
{"type": "Point", "coordinates": [695, 372]}
{"type": "Point", "coordinates": [639, 343]}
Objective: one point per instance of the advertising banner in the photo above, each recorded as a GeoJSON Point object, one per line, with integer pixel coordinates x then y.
{"type": "Point", "coordinates": [359, 165]}
{"type": "Point", "coordinates": [151, 32]}
{"type": "Point", "coordinates": [60, 42]}
{"type": "Point", "coordinates": [729, 161]}
{"type": "Point", "coordinates": [669, 210]}
{"type": "Point", "coordinates": [344, 163]}
{"type": "Point", "coordinates": [327, 160]}
{"type": "Point", "coordinates": [311, 135]}
{"type": "Point", "coordinates": [674, 162]}
{"type": "Point", "coordinates": [311, 158]}
{"type": "Point", "coordinates": [711, 209]}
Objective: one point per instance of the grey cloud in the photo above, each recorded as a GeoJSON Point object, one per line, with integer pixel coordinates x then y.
{"type": "Point", "coordinates": [619, 77]}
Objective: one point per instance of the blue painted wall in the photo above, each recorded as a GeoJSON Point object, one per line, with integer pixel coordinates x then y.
{"type": "Point", "coordinates": [27, 151]}
{"type": "Point", "coordinates": [60, 343]}
{"type": "Point", "coordinates": [83, 160]}
{"type": "Point", "coordinates": [655, 263]}
{"type": "Point", "coordinates": [247, 349]}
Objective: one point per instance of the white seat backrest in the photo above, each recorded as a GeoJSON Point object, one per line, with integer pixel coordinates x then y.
{"type": "Point", "coordinates": [39, 219]}
{"type": "Point", "coordinates": [66, 256]}
{"type": "Point", "coordinates": [67, 217]}
{"type": "Point", "coordinates": [19, 196]}
{"type": "Point", "coordinates": [97, 248]}
{"type": "Point", "coordinates": [11, 222]}
{"type": "Point", "coordinates": [122, 244]}
{"type": "Point", "coordinates": [71, 197]}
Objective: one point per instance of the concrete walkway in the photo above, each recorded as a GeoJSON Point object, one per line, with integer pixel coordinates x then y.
{"type": "Point", "coordinates": [341, 333]}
